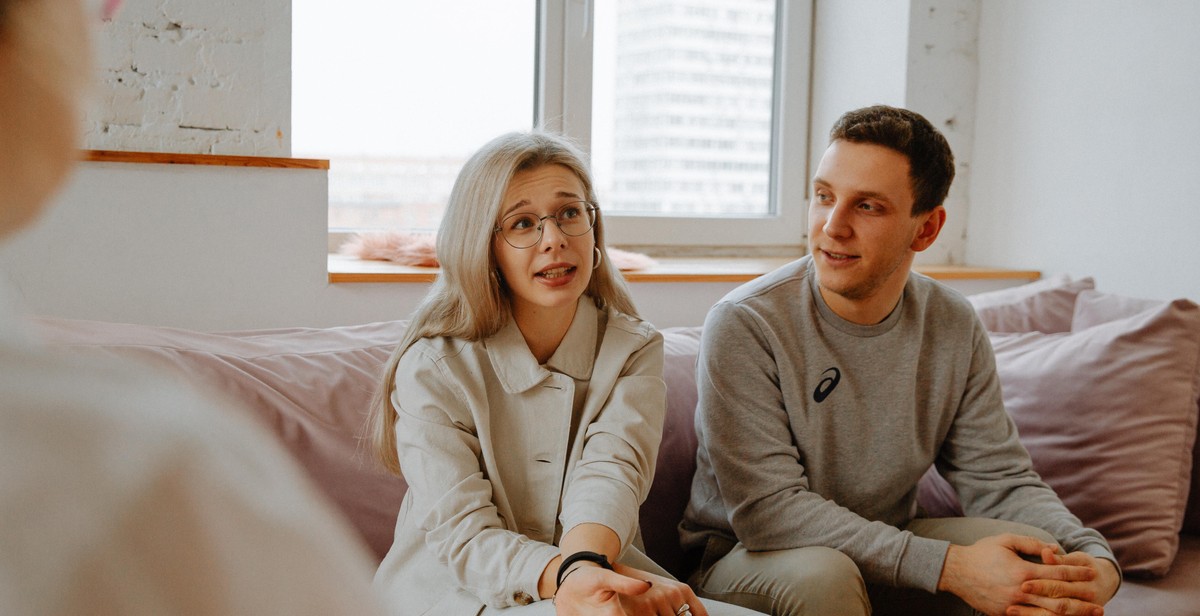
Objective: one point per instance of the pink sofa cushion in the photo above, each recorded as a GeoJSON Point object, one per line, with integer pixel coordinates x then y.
{"type": "Point", "coordinates": [1043, 306]}
{"type": "Point", "coordinates": [1109, 416]}
{"type": "Point", "coordinates": [663, 509]}
{"type": "Point", "coordinates": [311, 387]}
{"type": "Point", "coordinates": [1093, 308]}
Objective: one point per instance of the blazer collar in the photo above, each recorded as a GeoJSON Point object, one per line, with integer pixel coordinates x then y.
{"type": "Point", "coordinates": [517, 368]}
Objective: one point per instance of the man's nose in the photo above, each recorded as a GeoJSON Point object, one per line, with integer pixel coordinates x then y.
{"type": "Point", "coordinates": [837, 222]}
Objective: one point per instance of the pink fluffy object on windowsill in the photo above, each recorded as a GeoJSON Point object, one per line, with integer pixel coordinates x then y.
{"type": "Point", "coordinates": [417, 249]}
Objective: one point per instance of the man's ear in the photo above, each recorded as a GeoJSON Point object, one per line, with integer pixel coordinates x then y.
{"type": "Point", "coordinates": [931, 225]}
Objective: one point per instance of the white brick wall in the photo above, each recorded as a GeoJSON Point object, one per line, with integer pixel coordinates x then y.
{"type": "Point", "coordinates": [194, 76]}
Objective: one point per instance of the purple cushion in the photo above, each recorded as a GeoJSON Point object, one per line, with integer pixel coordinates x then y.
{"type": "Point", "coordinates": [1093, 308]}
{"type": "Point", "coordinates": [1043, 306]}
{"type": "Point", "coordinates": [311, 387]}
{"type": "Point", "coordinates": [1109, 416]}
{"type": "Point", "coordinates": [663, 509]}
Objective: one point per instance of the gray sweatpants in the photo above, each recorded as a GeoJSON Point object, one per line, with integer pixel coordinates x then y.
{"type": "Point", "coordinates": [819, 581]}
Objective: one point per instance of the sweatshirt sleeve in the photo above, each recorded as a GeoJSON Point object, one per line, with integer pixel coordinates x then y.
{"type": "Point", "coordinates": [991, 470]}
{"type": "Point", "coordinates": [760, 472]}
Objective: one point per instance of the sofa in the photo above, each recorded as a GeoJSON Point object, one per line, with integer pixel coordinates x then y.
{"type": "Point", "coordinates": [1104, 390]}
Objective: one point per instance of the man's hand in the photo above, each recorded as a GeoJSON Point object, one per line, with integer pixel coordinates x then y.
{"type": "Point", "coordinates": [990, 575]}
{"type": "Point", "coordinates": [1051, 596]}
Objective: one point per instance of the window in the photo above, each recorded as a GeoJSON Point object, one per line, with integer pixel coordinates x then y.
{"type": "Point", "coordinates": [690, 109]}
{"type": "Point", "coordinates": [398, 94]}
{"type": "Point", "coordinates": [695, 113]}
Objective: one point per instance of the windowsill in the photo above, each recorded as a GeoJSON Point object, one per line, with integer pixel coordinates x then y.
{"type": "Point", "coordinates": [345, 269]}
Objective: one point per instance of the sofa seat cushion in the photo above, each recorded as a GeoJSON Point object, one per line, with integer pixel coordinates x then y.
{"type": "Point", "coordinates": [310, 387]}
{"type": "Point", "coordinates": [1178, 593]}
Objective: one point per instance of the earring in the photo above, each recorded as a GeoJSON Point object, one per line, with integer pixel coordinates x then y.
{"type": "Point", "coordinates": [598, 257]}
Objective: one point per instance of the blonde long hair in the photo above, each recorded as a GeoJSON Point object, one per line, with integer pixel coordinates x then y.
{"type": "Point", "coordinates": [467, 300]}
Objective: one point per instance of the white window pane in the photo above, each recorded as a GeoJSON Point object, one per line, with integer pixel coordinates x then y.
{"type": "Point", "coordinates": [682, 103]}
{"type": "Point", "coordinates": [398, 94]}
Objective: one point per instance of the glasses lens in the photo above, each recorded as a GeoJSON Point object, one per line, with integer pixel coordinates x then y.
{"type": "Point", "coordinates": [575, 218]}
{"type": "Point", "coordinates": [520, 230]}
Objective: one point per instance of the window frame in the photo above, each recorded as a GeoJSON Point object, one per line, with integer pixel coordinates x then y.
{"type": "Point", "coordinates": [563, 101]}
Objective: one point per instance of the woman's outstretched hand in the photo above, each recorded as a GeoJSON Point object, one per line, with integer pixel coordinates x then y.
{"type": "Point", "coordinates": [592, 591]}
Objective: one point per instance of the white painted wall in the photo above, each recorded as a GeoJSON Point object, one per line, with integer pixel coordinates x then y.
{"type": "Point", "coordinates": [919, 54]}
{"type": "Point", "coordinates": [221, 248]}
{"type": "Point", "coordinates": [194, 76]}
{"type": "Point", "coordinates": [1087, 143]}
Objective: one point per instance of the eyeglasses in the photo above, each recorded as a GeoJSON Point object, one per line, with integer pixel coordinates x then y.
{"type": "Point", "coordinates": [524, 230]}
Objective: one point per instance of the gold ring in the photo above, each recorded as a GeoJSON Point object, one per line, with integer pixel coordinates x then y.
{"type": "Point", "coordinates": [684, 610]}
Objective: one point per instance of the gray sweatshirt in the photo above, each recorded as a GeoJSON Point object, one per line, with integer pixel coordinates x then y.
{"type": "Point", "coordinates": [815, 431]}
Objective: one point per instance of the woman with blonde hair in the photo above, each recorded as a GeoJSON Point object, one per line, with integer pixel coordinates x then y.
{"type": "Point", "coordinates": [524, 406]}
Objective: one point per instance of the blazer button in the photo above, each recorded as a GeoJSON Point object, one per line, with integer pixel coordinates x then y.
{"type": "Point", "coordinates": [522, 598]}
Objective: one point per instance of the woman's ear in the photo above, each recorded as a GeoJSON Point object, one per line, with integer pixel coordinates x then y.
{"type": "Point", "coordinates": [931, 225]}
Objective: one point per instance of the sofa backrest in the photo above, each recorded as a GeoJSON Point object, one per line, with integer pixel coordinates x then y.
{"type": "Point", "coordinates": [309, 387]}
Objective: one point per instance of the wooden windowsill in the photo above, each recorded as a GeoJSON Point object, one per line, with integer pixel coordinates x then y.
{"type": "Point", "coordinates": [344, 269]}
{"type": "Point", "coordinates": [169, 158]}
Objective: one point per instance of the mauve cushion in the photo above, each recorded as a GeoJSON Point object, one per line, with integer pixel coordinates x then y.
{"type": "Point", "coordinates": [1044, 306]}
{"type": "Point", "coordinates": [1093, 308]}
{"type": "Point", "coordinates": [1109, 416]}
{"type": "Point", "coordinates": [663, 509]}
{"type": "Point", "coordinates": [311, 387]}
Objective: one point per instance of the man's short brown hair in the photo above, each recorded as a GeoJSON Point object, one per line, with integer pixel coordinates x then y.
{"type": "Point", "coordinates": [930, 161]}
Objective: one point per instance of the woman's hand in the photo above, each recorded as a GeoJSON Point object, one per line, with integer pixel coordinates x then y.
{"type": "Point", "coordinates": [592, 591]}
{"type": "Point", "coordinates": [588, 590]}
{"type": "Point", "coordinates": [663, 597]}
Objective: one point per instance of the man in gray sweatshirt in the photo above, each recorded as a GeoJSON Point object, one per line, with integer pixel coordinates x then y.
{"type": "Point", "coordinates": [827, 389]}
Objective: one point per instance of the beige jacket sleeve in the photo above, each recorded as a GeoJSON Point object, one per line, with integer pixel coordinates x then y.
{"type": "Point", "coordinates": [620, 449]}
{"type": "Point", "coordinates": [451, 495]}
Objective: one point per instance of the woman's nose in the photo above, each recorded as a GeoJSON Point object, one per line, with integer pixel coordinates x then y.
{"type": "Point", "coordinates": [552, 235]}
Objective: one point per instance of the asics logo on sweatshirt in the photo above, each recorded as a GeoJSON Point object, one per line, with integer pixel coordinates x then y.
{"type": "Point", "coordinates": [827, 384]}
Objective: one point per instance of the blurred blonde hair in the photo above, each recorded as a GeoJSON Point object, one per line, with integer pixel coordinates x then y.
{"type": "Point", "coordinates": [468, 300]}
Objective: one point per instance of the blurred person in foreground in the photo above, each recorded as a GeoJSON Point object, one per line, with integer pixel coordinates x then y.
{"type": "Point", "coordinates": [121, 492]}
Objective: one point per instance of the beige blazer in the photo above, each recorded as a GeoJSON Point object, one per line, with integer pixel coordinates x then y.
{"type": "Point", "coordinates": [503, 456]}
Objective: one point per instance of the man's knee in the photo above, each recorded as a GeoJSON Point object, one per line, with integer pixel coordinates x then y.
{"type": "Point", "coordinates": [828, 582]}
{"type": "Point", "coordinates": [830, 569]}
{"type": "Point", "coordinates": [802, 581]}
{"type": "Point", "coordinates": [966, 531]}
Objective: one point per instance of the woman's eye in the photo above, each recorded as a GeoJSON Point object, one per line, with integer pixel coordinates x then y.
{"type": "Point", "coordinates": [570, 212]}
{"type": "Point", "coordinates": [521, 223]}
